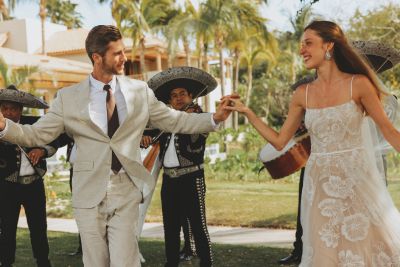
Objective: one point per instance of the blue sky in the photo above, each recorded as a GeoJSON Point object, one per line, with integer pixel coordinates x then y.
{"type": "Point", "coordinates": [277, 11]}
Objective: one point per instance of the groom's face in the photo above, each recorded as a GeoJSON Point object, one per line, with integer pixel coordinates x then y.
{"type": "Point", "coordinates": [114, 59]}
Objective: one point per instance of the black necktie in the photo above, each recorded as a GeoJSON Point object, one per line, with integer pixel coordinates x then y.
{"type": "Point", "coordinates": [113, 124]}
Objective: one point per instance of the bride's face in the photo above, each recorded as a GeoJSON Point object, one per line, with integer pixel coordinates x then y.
{"type": "Point", "coordinates": [312, 49]}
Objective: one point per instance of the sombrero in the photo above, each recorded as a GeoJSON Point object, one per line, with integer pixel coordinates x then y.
{"type": "Point", "coordinates": [196, 81]}
{"type": "Point", "coordinates": [381, 56]}
{"type": "Point", "coordinates": [12, 94]}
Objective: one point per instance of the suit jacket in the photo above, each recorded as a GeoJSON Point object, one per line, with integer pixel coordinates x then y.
{"type": "Point", "coordinates": [10, 155]}
{"type": "Point", "coordinates": [70, 113]}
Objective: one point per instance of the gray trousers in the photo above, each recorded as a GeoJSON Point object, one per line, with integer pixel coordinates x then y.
{"type": "Point", "coordinates": [108, 230]}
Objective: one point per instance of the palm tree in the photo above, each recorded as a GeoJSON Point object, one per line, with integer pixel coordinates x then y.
{"type": "Point", "coordinates": [136, 18]}
{"type": "Point", "coordinates": [4, 12]}
{"type": "Point", "coordinates": [42, 15]}
{"type": "Point", "coordinates": [17, 76]}
{"type": "Point", "coordinates": [220, 18]}
{"type": "Point", "coordinates": [59, 11]}
{"type": "Point", "coordinates": [64, 12]}
{"type": "Point", "coordinates": [257, 49]}
{"type": "Point", "coordinates": [176, 29]}
{"type": "Point", "coordinates": [247, 43]}
{"type": "Point", "coordinates": [6, 7]}
{"type": "Point", "coordinates": [224, 18]}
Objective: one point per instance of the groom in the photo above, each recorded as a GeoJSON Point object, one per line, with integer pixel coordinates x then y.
{"type": "Point", "coordinates": [106, 115]}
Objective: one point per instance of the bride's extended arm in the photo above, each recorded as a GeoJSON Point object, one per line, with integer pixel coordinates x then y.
{"type": "Point", "coordinates": [371, 103]}
{"type": "Point", "coordinates": [291, 124]}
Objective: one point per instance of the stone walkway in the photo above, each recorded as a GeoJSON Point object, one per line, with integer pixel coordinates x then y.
{"type": "Point", "coordinates": [219, 234]}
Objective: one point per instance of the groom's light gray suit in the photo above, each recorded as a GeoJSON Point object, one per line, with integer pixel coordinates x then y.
{"type": "Point", "coordinates": [91, 182]}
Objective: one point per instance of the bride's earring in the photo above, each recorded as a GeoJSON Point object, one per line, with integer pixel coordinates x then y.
{"type": "Point", "coordinates": [328, 55]}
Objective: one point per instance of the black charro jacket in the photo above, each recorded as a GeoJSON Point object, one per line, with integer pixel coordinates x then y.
{"type": "Point", "coordinates": [189, 148]}
{"type": "Point", "coordinates": [10, 156]}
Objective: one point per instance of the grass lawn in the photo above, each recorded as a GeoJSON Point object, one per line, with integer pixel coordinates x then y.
{"type": "Point", "coordinates": [153, 251]}
{"type": "Point", "coordinates": [249, 204]}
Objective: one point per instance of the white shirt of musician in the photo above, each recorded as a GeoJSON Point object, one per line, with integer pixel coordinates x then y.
{"type": "Point", "coordinates": [171, 158]}
{"type": "Point", "coordinates": [26, 166]}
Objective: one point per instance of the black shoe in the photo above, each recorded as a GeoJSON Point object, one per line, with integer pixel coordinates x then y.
{"type": "Point", "coordinates": [292, 258]}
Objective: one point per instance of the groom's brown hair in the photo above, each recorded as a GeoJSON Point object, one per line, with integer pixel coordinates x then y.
{"type": "Point", "coordinates": [98, 39]}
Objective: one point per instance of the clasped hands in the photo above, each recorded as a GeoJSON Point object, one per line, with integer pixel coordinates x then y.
{"type": "Point", "coordinates": [234, 103]}
{"type": "Point", "coordinates": [228, 104]}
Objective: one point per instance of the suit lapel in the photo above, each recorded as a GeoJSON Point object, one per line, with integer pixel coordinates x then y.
{"type": "Point", "coordinates": [128, 94]}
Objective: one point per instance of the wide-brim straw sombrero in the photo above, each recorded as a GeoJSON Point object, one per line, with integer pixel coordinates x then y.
{"type": "Point", "coordinates": [196, 81]}
{"type": "Point", "coordinates": [12, 94]}
{"type": "Point", "coordinates": [381, 56]}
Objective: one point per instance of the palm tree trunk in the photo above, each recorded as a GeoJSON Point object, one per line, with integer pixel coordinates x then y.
{"type": "Point", "coordinates": [42, 14]}
{"type": "Point", "coordinates": [133, 56]}
{"type": "Point", "coordinates": [221, 69]}
{"type": "Point", "coordinates": [200, 49]}
{"type": "Point", "coordinates": [235, 85]}
{"type": "Point", "coordinates": [187, 52]}
{"type": "Point", "coordinates": [222, 75]}
{"type": "Point", "coordinates": [3, 10]}
{"type": "Point", "coordinates": [169, 60]}
{"type": "Point", "coordinates": [205, 58]}
{"type": "Point", "coordinates": [142, 61]}
{"type": "Point", "coordinates": [249, 86]}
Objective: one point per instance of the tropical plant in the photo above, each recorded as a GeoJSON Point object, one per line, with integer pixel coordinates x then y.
{"type": "Point", "coordinates": [16, 76]}
{"type": "Point", "coordinates": [177, 30]}
{"type": "Point", "coordinates": [20, 78]}
{"type": "Point", "coordinates": [381, 25]}
{"type": "Point", "coordinates": [221, 18]}
{"type": "Point", "coordinates": [59, 11]}
{"type": "Point", "coordinates": [248, 44]}
{"type": "Point", "coordinates": [136, 18]}
{"type": "Point", "coordinates": [64, 12]}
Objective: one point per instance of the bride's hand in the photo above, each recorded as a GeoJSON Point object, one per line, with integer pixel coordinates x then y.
{"type": "Point", "coordinates": [236, 105]}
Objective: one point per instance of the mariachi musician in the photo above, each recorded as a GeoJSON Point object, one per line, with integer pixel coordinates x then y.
{"type": "Point", "coordinates": [21, 182]}
{"type": "Point", "coordinates": [182, 158]}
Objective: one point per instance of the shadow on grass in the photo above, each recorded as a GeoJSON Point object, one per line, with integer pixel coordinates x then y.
{"type": "Point", "coordinates": [153, 251]}
{"type": "Point", "coordinates": [286, 221]}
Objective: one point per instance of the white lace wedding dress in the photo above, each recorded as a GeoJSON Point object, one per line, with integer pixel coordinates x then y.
{"type": "Point", "coordinates": [347, 214]}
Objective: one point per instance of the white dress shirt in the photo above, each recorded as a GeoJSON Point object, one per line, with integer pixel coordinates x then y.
{"type": "Point", "coordinates": [97, 102]}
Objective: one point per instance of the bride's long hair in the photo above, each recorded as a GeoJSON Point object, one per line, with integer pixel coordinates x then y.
{"type": "Point", "coordinates": [345, 56]}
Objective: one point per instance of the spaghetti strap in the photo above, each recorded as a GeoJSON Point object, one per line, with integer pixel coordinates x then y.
{"type": "Point", "coordinates": [307, 95]}
{"type": "Point", "coordinates": [351, 88]}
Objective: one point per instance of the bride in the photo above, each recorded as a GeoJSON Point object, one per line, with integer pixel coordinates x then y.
{"type": "Point", "coordinates": [347, 214]}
